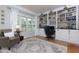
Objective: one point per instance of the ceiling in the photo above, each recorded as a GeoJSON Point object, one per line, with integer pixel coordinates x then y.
{"type": "Point", "coordinates": [40, 8]}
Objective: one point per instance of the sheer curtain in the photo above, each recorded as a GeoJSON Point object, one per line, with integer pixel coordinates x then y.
{"type": "Point", "coordinates": [27, 24]}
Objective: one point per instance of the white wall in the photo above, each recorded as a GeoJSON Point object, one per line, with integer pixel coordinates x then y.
{"type": "Point", "coordinates": [6, 20]}
{"type": "Point", "coordinates": [28, 34]}
{"type": "Point", "coordinates": [78, 17]}
{"type": "Point", "coordinates": [13, 18]}
{"type": "Point", "coordinates": [14, 12]}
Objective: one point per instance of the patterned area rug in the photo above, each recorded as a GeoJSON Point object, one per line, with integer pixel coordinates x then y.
{"type": "Point", "coordinates": [35, 45]}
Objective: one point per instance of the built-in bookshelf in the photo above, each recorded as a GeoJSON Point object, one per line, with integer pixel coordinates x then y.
{"type": "Point", "coordinates": [68, 24]}
{"type": "Point", "coordinates": [42, 21]}
{"type": "Point", "coordinates": [52, 19]}
{"type": "Point", "coordinates": [67, 18]}
{"type": "Point", "coordinates": [71, 18]}
{"type": "Point", "coordinates": [61, 19]}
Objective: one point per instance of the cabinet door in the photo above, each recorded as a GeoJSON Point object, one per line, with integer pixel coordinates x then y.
{"type": "Point", "coordinates": [74, 36]}
{"type": "Point", "coordinates": [62, 34]}
{"type": "Point", "coordinates": [40, 32]}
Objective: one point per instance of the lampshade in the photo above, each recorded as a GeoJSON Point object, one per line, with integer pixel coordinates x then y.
{"type": "Point", "coordinates": [18, 28]}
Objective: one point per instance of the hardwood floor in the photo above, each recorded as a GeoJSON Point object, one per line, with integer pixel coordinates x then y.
{"type": "Point", "coordinates": [71, 48]}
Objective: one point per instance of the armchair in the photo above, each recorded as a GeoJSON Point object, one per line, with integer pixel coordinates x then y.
{"type": "Point", "coordinates": [50, 31]}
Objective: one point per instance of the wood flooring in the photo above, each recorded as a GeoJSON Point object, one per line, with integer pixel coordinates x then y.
{"type": "Point", "coordinates": [71, 48]}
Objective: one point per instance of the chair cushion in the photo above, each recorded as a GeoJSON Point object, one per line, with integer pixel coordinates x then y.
{"type": "Point", "coordinates": [9, 34]}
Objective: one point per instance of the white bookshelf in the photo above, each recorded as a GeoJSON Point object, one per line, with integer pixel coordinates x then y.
{"type": "Point", "coordinates": [66, 29]}
{"type": "Point", "coordinates": [52, 19]}
{"type": "Point", "coordinates": [67, 18]}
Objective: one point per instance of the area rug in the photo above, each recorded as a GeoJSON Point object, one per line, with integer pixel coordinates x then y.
{"type": "Point", "coordinates": [36, 45]}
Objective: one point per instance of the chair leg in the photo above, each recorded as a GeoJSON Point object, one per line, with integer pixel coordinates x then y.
{"type": "Point", "coordinates": [21, 38]}
{"type": "Point", "coordinates": [18, 42]}
{"type": "Point", "coordinates": [8, 48]}
{"type": "Point", "coordinates": [0, 47]}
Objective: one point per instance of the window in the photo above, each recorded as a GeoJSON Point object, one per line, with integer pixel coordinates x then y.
{"type": "Point", "coordinates": [27, 24]}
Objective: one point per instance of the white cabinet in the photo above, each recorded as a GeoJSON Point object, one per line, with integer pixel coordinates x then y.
{"type": "Point", "coordinates": [71, 36]}
{"type": "Point", "coordinates": [68, 25]}
{"type": "Point", "coordinates": [40, 32]}
{"type": "Point", "coordinates": [62, 34]}
{"type": "Point", "coordinates": [74, 36]}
